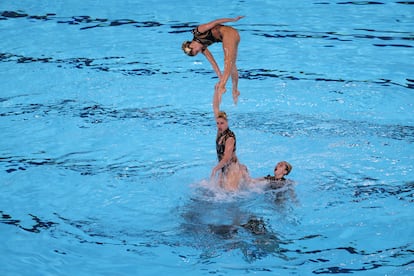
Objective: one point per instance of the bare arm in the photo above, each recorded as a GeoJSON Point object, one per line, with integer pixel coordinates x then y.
{"type": "Point", "coordinates": [212, 61]}
{"type": "Point", "coordinates": [207, 26]}
{"type": "Point", "coordinates": [217, 96]}
{"type": "Point", "coordinates": [227, 155]}
{"type": "Point", "coordinates": [259, 179]}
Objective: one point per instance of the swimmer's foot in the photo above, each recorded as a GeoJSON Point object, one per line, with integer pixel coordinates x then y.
{"type": "Point", "coordinates": [236, 94]}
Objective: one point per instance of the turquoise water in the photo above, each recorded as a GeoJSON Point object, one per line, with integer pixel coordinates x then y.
{"type": "Point", "coordinates": [107, 139]}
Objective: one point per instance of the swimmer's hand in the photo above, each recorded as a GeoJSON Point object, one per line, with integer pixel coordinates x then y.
{"type": "Point", "coordinates": [238, 17]}
{"type": "Point", "coordinates": [213, 173]}
{"type": "Point", "coordinates": [220, 88]}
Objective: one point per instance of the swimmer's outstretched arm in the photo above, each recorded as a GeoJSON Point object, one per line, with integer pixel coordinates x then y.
{"type": "Point", "coordinates": [207, 26]}
{"type": "Point", "coordinates": [212, 61]}
{"type": "Point", "coordinates": [216, 96]}
{"type": "Point", "coordinates": [216, 102]}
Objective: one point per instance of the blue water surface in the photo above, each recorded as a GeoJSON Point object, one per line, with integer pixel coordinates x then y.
{"type": "Point", "coordinates": [108, 139]}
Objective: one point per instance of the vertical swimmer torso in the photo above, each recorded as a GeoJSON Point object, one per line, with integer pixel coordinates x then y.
{"type": "Point", "coordinates": [221, 143]}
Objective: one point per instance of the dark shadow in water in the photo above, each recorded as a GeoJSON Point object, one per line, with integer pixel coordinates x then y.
{"type": "Point", "coordinates": [405, 37]}
{"type": "Point", "coordinates": [36, 227]}
{"type": "Point", "coordinates": [86, 21]}
{"type": "Point", "coordinates": [285, 125]}
{"type": "Point", "coordinates": [404, 191]}
{"type": "Point", "coordinates": [351, 186]}
{"type": "Point", "coordinates": [131, 67]}
{"type": "Point", "coordinates": [289, 125]}
{"type": "Point", "coordinates": [127, 168]}
{"type": "Point", "coordinates": [215, 227]}
{"type": "Point", "coordinates": [135, 68]}
{"type": "Point", "coordinates": [101, 64]}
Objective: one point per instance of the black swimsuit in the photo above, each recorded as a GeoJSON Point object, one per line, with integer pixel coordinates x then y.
{"type": "Point", "coordinates": [205, 38]}
{"type": "Point", "coordinates": [273, 178]}
{"type": "Point", "coordinates": [275, 183]}
{"type": "Point", "coordinates": [221, 147]}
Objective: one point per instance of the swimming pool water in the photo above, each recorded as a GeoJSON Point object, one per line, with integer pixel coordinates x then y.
{"type": "Point", "coordinates": [107, 139]}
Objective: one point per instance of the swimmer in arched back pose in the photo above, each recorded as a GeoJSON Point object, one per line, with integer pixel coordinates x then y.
{"type": "Point", "coordinates": [204, 36]}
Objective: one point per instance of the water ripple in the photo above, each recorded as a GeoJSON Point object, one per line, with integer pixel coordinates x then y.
{"type": "Point", "coordinates": [130, 168]}
{"type": "Point", "coordinates": [124, 66]}
{"type": "Point", "coordinates": [255, 240]}
{"type": "Point", "coordinates": [79, 20]}
{"type": "Point", "coordinates": [407, 37]}
{"type": "Point", "coordinates": [121, 65]}
{"type": "Point", "coordinates": [289, 125]}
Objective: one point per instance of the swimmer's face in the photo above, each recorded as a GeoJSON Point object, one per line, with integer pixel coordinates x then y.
{"type": "Point", "coordinates": [222, 124]}
{"type": "Point", "coordinates": [280, 170]}
{"type": "Point", "coordinates": [196, 48]}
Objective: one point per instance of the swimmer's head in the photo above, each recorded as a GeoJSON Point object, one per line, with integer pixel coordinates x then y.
{"type": "Point", "coordinates": [287, 165]}
{"type": "Point", "coordinates": [187, 49]}
{"type": "Point", "coordinates": [221, 121]}
{"type": "Point", "coordinates": [221, 114]}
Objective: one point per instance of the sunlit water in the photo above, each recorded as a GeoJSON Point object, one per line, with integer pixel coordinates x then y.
{"type": "Point", "coordinates": [107, 139]}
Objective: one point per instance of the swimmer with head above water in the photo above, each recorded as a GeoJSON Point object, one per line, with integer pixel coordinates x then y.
{"type": "Point", "coordinates": [213, 32]}
{"type": "Point", "coordinates": [231, 173]}
{"type": "Point", "coordinates": [228, 168]}
{"type": "Point", "coordinates": [282, 169]}
{"type": "Point", "coordinates": [276, 181]}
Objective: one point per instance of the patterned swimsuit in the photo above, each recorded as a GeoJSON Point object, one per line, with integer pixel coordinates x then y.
{"type": "Point", "coordinates": [275, 183]}
{"type": "Point", "coordinates": [205, 38]}
{"type": "Point", "coordinates": [221, 145]}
